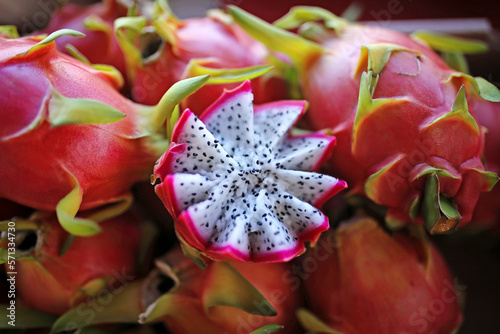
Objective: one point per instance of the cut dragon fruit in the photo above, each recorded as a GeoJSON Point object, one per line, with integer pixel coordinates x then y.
{"type": "Point", "coordinates": [239, 185]}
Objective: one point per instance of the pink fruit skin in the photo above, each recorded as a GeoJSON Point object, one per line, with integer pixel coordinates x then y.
{"type": "Point", "coordinates": [34, 165]}
{"type": "Point", "coordinates": [50, 282]}
{"type": "Point", "coordinates": [371, 282]}
{"type": "Point", "coordinates": [219, 46]}
{"type": "Point", "coordinates": [486, 214]}
{"type": "Point", "coordinates": [273, 280]}
{"type": "Point", "coordinates": [331, 84]}
{"type": "Point", "coordinates": [98, 47]}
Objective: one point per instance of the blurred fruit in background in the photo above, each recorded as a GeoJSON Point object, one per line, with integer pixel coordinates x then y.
{"type": "Point", "coordinates": [361, 279]}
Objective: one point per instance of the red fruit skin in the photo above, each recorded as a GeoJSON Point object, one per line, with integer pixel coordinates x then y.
{"type": "Point", "coordinates": [278, 284]}
{"type": "Point", "coordinates": [370, 282]}
{"type": "Point", "coordinates": [218, 45]}
{"type": "Point", "coordinates": [331, 84]}
{"type": "Point", "coordinates": [99, 47]}
{"type": "Point", "coordinates": [34, 164]}
{"type": "Point", "coordinates": [486, 214]}
{"type": "Point", "coordinates": [52, 283]}
{"type": "Point", "coordinates": [275, 281]}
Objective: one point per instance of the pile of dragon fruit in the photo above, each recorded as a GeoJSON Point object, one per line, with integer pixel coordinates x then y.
{"type": "Point", "coordinates": [223, 174]}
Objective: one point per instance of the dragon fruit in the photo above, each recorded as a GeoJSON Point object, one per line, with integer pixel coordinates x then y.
{"type": "Point", "coordinates": [96, 22]}
{"type": "Point", "coordinates": [223, 298]}
{"type": "Point", "coordinates": [253, 303]}
{"type": "Point", "coordinates": [488, 114]}
{"type": "Point", "coordinates": [170, 49]}
{"type": "Point", "coordinates": [54, 283]}
{"type": "Point", "coordinates": [238, 184]}
{"type": "Point", "coordinates": [65, 141]}
{"type": "Point", "coordinates": [407, 136]}
{"type": "Point", "coordinates": [367, 281]}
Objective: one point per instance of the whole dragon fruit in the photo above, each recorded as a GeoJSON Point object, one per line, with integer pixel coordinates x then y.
{"type": "Point", "coordinates": [68, 139]}
{"type": "Point", "coordinates": [224, 297]}
{"type": "Point", "coordinates": [360, 279]}
{"type": "Point", "coordinates": [238, 184]}
{"type": "Point", "coordinates": [488, 114]}
{"type": "Point", "coordinates": [53, 283]}
{"type": "Point", "coordinates": [170, 49]}
{"type": "Point", "coordinates": [96, 22]}
{"type": "Point", "coordinates": [407, 136]}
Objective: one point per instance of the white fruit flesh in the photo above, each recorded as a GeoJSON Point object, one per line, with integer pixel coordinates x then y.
{"type": "Point", "coordinates": [243, 183]}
